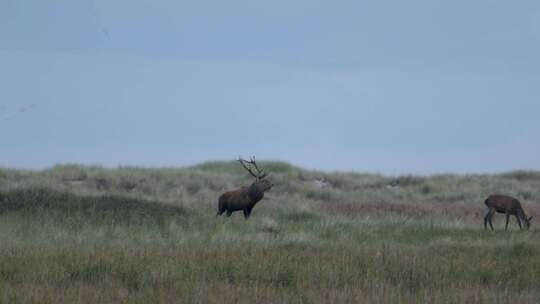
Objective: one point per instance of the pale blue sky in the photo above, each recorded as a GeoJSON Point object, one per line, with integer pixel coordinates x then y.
{"type": "Point", "coordinates": [381, 86]}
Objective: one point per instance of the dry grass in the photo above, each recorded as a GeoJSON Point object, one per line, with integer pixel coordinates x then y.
{"type": "Point", "coordinates": [268, 275]}
{"type": "Point", "coordinates": [88, 234]}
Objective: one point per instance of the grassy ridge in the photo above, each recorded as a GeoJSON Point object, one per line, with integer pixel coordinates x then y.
{"type": "Point", "coordinates": [89, 234]}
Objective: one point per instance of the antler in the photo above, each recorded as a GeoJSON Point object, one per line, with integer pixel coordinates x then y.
{"type": "Point", "coordinates": [260, 173]}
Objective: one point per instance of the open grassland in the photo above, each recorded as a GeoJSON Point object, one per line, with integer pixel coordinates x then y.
{"type": "Point", "coordinates": [95, 235]}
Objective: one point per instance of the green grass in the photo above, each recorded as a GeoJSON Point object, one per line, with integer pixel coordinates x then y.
{"type": "Point", "coordinates": [90, 234]}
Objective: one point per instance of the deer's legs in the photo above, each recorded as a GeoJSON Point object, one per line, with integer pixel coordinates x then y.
{"type": "Point", "coordinates": [507, 219]}
{"type": "Point", "coordinates": [488, 217]}
{"type": "Point", "coordinates": [229, 212]}
{"type": "Point", "coordinates": [519, 221]}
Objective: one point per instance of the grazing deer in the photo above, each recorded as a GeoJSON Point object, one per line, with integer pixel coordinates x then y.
{"type": "Point", "coordinates": [245, 198]}
{"type": "Point", "coordinates": [507, 205]}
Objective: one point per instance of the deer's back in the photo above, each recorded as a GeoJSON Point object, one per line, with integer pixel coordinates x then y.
{"type": "Point", "coordinates": [502, 203]}
{"type": "Point", "coordinates": [233, 195]}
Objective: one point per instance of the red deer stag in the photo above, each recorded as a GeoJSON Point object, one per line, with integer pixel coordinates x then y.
{"type": "Point", "coordinates": [507, 205]}
{"type": "Point", "coordinates": [245, 198]}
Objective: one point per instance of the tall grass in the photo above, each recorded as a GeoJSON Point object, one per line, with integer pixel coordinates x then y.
{"type": "Point", "coordinates": [89, 234]}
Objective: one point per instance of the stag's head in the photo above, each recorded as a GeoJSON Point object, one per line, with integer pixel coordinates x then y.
{"type": "Point", "coordinates": [262, 183]}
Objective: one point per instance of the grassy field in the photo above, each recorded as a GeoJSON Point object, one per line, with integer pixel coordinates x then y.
{"type": "Point", "coordinates": [95, 235]}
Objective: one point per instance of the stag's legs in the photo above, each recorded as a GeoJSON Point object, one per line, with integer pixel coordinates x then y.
{"type": "Point", "coordinates": [507, 219]}
{"type": "Point", "coordinates": [221, 208]}
{"type": "Point", "coordinates": [229, 212]}
{"type": "Point", "coordinates": [247, 213]}
{"type": "Point", "coordinates": [488, 217]}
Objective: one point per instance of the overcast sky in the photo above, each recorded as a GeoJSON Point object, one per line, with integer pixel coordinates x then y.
{"type": "Point", "coordinates": [393, 87]}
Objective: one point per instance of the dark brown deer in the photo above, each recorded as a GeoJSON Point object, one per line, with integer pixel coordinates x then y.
{"type": "Point", "coordinates": [245, 198]}
{"type": "Point", "coordinates": [507, 205]}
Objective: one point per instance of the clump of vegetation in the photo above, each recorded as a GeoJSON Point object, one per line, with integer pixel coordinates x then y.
{"type": "Point", "coordinates": [43, 202]}
{"type": "Point", "coordinates": [523, 175]}
{"type": "Point", "coordinates": [69, 173]}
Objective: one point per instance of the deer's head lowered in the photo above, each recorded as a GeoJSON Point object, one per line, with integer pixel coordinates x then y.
{"type": "Point", "coordinates": [507, 205]}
